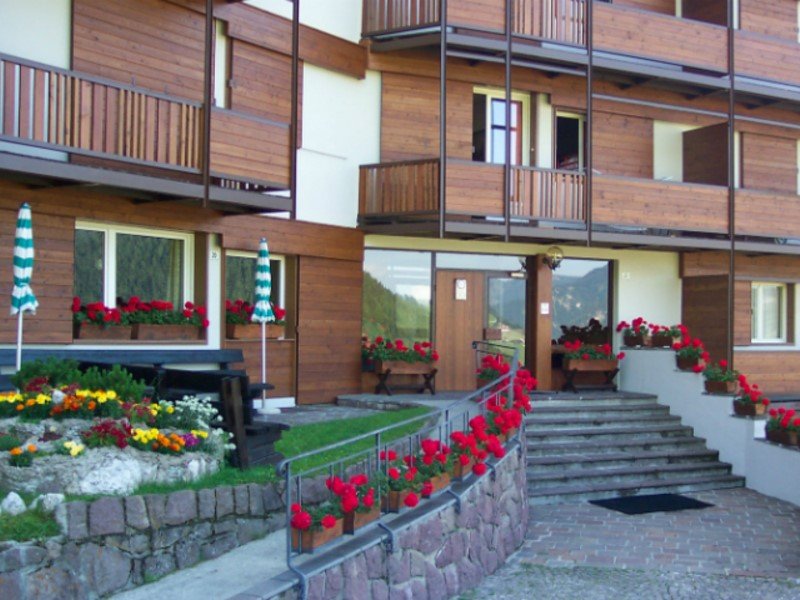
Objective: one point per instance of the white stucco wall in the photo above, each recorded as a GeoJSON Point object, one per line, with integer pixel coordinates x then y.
{"type": "Point", "coordinates": [543, 144]}
{"type": "Point", "coordinates": [341, 130]}
{"type": "Point", "coordinates": [341, 18]}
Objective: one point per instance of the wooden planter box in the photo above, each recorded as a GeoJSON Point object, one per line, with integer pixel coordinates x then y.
{"type": "Point", "coordinates": [401, 367]}
{"type": "Point", "coordinates": [439, 483]}
{"type": "Point", "coordinates": [394, 501]}
{"type": "Point", "coordinates": [504, 437]}
{"type": "Point", "coordinates": [721, 387]}
{"type": "Point", "coordinates": [749, 409]}
{"type": "Point", "coordinates": [661, 340]}
{"type": "Point", "coordinates": [462, 471]}
{"type": "Point", "coordinates": [252, 331]}
{"type": "Point", "coordinates": [163, 333]}
{"type": "Point", "coordinates": [602, 364]}
{"type": "Point", "coordinates": [634, 340]}
{"type": "Point", "coordinates": [782, 436]}
{"type": "Point", "coordinates": [354, 519]}
{"type": "Point", "coordinates": [93, 331]}
{"type": "Point", "coordinates": [308, 540]}
{"type": "Point", "coordinates": [686, 364]}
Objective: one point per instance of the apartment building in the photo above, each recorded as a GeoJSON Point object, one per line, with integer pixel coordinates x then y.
{"type": "Point", "coordinates": [434, 154]}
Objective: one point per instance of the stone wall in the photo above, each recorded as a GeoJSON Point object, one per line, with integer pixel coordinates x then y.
{"type": "Point", "coordinates": [115, 543]}
{"type": "Point", "coordinates": [442, 554]}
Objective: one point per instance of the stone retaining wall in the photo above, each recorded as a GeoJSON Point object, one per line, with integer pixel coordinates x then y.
{"type": "Point", "coordinates": [441, 555]}
{"type": "Point", "coordinates": [115, 543]}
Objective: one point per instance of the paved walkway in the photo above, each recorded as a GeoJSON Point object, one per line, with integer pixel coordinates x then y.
{"type": "Point", "coordinates": [746, 546]}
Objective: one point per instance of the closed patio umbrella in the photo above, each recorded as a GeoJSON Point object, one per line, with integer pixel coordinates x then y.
{"type": "Point", "coordinates": [22, 297]}
{"type": "Point", "coordinates": [262, 311]}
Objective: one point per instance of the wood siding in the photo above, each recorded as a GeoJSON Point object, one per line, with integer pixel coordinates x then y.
{"type": "Point", "coordinates": [704, 304]}
{"type": "Point", "coordinates": [622, 145]}
{"type": "Point", "coordinates": [396, 188]}
{"type": "Point", "coordinates": [767, 57]}
{"type": "Point", "coordinates": [280, 364]}
{"type": "Point", "coordinates": [775, 372]}
{"type": "Point", "coordinates": [769, 214]}
{"type": "Point", "coordinates": [742, 321]}
{"type": "Point", "coordinates": [668, 38]}
{"type": "Point", "coordinates": [148, 43]}
{"type": "Point", "coordinates": [705, 155]}
{"type": "Point", "coordinates": [777, 18]}
{"type": "Point", "coordinates": [776, 267]}
{"type": "Point", "coordinates": [477, 14]}
{"type": "Point", "coordinates": [769, 163]}
{"type": "Point", "coordinates": [261, 82]}
{"type": "Point", "coordinates": [329, 362]}
{"type": "Point", "coordinates": [659, 204]}
{"type": "Point", "coordinates": [474, 188]}
{"type": "Point", "coordinates": [410, 118]}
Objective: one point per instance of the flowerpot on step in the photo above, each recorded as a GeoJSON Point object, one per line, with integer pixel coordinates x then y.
{"type": "Point", "coordinates": [394, 501]}
{"type": "Point", "coordinates": [686, 364]}
{"type": "Point", "coordinates": [438, 483]}
{"type": "Point", "coordinates": [632, 341]}
{"type": "Point", "coordinates": [661, 340]}
{"type": "Point", "coordinates": [749, 409]}
{"type": "Point", "coordinates": [309, 539]}
{"type": "Point", "coordinates": [461, 471]}
{"type": "Point", "coordinates": [721, 387]}
{"type": "Point", "coordinates": [354, 519]}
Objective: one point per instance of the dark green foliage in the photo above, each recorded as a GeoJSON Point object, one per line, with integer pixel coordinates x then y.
{"type": "Point", "coordinates": [392, 315]}
{"type": "Point", "coordinates": [9, 441]}
{"type": "Point", "coordinates": [57, 371]}
{"type": "Point", "coordinates": [31, 525]}
{"type": "Point", "coordinates": [117, 379]}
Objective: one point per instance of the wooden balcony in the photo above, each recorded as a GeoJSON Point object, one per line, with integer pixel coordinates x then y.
{"type": "Point", "coordinates": [649, 204]}
{"type": "Point", "coordinates": [766, 57]}
{"type": "Point", "coordinates": [92, 119]}
{"type": "Point", "coordinates": [767, 214]}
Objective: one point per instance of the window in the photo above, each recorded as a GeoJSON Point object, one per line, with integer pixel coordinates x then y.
{"type": "Point", "coordinates": [113, 263]}
{"type": "Point", "coordinates": [582, 301]}
{"type": "Point", "coordinates": [768, 305]}
{"type": "Point", "coordinates": [570, 141]}
{"type": "Point", "coordinates": [489, 127]}
{"type": "Point", "coordinates": [240, 277]}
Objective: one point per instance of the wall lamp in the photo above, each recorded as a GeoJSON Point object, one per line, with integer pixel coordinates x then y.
{"type": "Point", "coordinates": [553, 257]}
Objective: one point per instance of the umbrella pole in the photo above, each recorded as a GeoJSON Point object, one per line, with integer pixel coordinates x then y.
{"type": "Point", "coordinates": [263, 362]}
{"type": "Point", "coordinates": [19, 339]}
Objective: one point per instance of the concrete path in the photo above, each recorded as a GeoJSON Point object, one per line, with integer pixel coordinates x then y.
{"type": "Point", "coordinates": [746, 546]}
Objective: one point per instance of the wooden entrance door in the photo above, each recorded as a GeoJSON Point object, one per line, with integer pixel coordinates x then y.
{"type": "Point", "coordinates": [458, 323]}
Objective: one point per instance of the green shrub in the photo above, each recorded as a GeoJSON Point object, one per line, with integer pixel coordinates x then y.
{"type": "Point", "coordinates": [57, 371]}
{"type": "Point", "coordinates": [117, 379]}
{"type": "Point", "coordinates": [9, 441]}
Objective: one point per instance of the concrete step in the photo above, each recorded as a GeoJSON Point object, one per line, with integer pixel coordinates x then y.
{"type": "Point", "coordinates": [543, 446]}
{"type": "Point", "coordinates": [572, 462]}
{"type": "Point", "coordinates": [544, 413]}
{"type": "Point", "coordinates": [580, 492]}
{"type": "Point", "coordinates": [591, 420]}
{"type": "Point", "coordinates": [569, 400]}
{"type": "Point", "coordinates": [627, 475]}
{"type": "Point", "coordinates": [619, 434]}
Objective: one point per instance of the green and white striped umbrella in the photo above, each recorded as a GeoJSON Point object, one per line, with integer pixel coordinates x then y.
{"type": "Point", "coordinates": [22, 297]}
{"type": "Point", "coordinates": [262, 311]}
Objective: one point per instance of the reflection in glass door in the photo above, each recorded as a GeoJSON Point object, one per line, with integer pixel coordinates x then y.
{"type": "Point", "coordinates": [505, 310]}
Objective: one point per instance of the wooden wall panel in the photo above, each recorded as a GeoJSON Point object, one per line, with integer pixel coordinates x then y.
{"type": "Point", "coordinates": [742, 322]}
{"type": "Point", "coordinates": [776, 18]}
{"type": "Point", "coordinates": [710, 11]}
{"type": "Point", "coordinates": [663, 37]}
{"type": "Point", "coordinates": [329, 362]}
{"type": "Point", "coordinates": [705, 155]}
{"type": "Point", "coordinates": [648, 203]}
{"type": "Point", "coordinates": [666, 7]}
{"type": "Point", "coordinates": [622, 145]}
{"type": "Point", "coordinates": [148, 43]}
{"type": "Point", "coordinates": [769, 163]}
{"type": "Point", "coordinates": [474, 188]}
{"type": "Point", "coordinates": [480, 14]}
{"type": "Point", "coordinates": [261, 82]}
{"type": "Point", "coordinates": [280, 364]}
{"type": "Point", "coordinates": [767, 214]}
{"type": "Point", "coordinates": [410, 118]}
{"type": "Point", "coordinates": [777, 267]}
{"type": "Point", "coordinates": [704, 305]}
{"type": "Point", "coordinates": [767, 57]}
{"type": "Point", "coordinates": [774, 372]}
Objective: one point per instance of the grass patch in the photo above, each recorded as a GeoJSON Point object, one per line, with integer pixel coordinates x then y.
{"type": "Point", "coordinates": [317, 435]}
{"type": "Point", "coordinates": [31, 525]}
{"type": "Point", "coordinates": [225, 476]}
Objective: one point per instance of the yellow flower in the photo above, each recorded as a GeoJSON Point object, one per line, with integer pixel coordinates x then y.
{"type": "Point", "coordinates": [199, 433]}
{"type": "Point", "coordinates": [75, 450]}
{"type": "Point", "coordinates": [170, 410]}
{"type": "Point", "coordinates": [111, 394]}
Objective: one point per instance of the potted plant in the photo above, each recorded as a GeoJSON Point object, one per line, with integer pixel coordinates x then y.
{"type": "Point", "coordinates": [314, 526]}
{"type": "Point", "coordinates": [634, 333]}
{"type": "Point", "coordinates": [400, 359]}
{"type": "Point", "coordinates": [158, 320]}
{"type": "Point", "coordinates": [277, 329]}
{"type": "Point", "coordinates": [664, 336]}
{"type": "Point", "coordinates": [783, 426]}
{"type": "Point", "coordinates": [433, 463]}
{"type": "Point", "coordinates": [590, 358]}
{"type": "Point", "coordinates": [238, 325]}
{"type": "Point", "coordinates": [594, 332]}
{"type": "Point", "coordinates": [493, 366]}
{"type": "Point", "coordinates": [400, 484]}
{"type": "Point", "coordinates": [97, 321]}
{"type": "Point", "coordinates": [357, 500]}
{"type": "Point", "coordinates": [720, 379]}
{"type": "Point", "coordinates": [751, 401]}
{"type": "Point", "coordinates": [690, 354]}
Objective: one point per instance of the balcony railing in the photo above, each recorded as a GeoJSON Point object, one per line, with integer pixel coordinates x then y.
{"type": "Point", "coordinates": [561, 20]}
{"type": "Point", "coordinates": [381, 16]}
{"type": "Point", "coordinates": [401, 187]}
{"type": "Point", "coordinates": [767, 214]}
{"type": "Point", "coordinates": [53, 108]}
{"type": "Point", "coordinates": [548, 194]}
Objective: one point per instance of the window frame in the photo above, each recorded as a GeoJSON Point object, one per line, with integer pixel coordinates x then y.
{"type": "Point", "coordinates": [757, 316]}
{"type": "Point", "coordinates": [524, 99]}
{"type": "Point", "coordinates": [581, 118]}
{"type": "Point", "coordinates": [254, 255]}
{"type": "Point", "coordinates": [111, 231]}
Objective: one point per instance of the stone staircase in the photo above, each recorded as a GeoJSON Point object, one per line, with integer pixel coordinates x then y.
{"type": "Point", "coordinates": [588, 448]}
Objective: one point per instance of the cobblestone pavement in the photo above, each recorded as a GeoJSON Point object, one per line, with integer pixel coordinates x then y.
{"type": "Point", "coordinates": [746, 546]}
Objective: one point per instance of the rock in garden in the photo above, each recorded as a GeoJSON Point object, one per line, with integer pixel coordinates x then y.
{"type": "Point", "coordinates": [48, 502]}
{"type": "Point", "coordinates": [12, 504]}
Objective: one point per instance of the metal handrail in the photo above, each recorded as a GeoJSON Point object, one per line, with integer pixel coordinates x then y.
{"type": "Point", "coordinates": [448, 418]}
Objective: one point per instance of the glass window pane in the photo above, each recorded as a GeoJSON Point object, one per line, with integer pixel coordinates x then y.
{"type": "Point", "coordinates": [506, 309]}
{"type": "Point", "coordinates": [240, 274]}
{"type": "Point", "coordinates": [89, 263]}
{"type": "Point", "coordinates": [397, 294]}
{"type": "Point", "coordinates": [498, 146]}
{"type": "Point", "coordinates": [150, 267]}
{"type": "Point", "coordinates": [767, 314]}
{"type": "Point", "coordinates": [581, 301]}
{"type": "Point", "coordinates": [498, 113]}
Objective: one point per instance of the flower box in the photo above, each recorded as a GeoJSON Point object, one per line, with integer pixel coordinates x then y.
{"type": "Point", "coordinates": [721, 387]}
{"type": "Point", "coordinates": [243, 331]}
{"type": "Point", "coordinates": [662, 340]}
{"type": "Point", "coordinates": [686, 364]}
{"type": "Point", "coordinates": [354, 519]}
{"type": "Point", "coordinates": [782, 436]}
{"type": "Point", "coordinates": [462, 471]}
{"type": "Point", "coordinates": [595, 364]}
{"type": "Point", "coordinates": [438, 483]}
{"type": "Point", "coordinates": [309, 539]}
{"type": "Point", "coordinates": [401, 367]}
{"type": "Point", "coordinates": [634, 340]}
{"type": "Point", "coordinates": [394, 501]}
{"type": "Point", "coordinates": [95, 331]}
{"type": "Point", "coordinates": [170, 332]}
{"type": "Point", "coordinates": [748, 409]}
{"type": "Point", "coordinates": [504, 437]}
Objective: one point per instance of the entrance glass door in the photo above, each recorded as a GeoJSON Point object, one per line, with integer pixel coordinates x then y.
{"type": "Point", "coordinates": [505, 310]}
